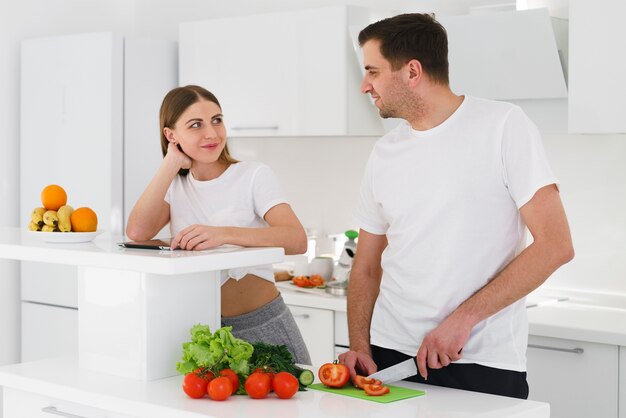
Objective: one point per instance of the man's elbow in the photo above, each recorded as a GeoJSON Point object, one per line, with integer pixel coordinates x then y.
{"type": "Point", "coordinates": [565, 253]}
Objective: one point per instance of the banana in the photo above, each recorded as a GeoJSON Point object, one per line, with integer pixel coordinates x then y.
{"type": "Point", "coordinates": [64, 213]}
{"type": "Point", "coordinates": [34, 227]}
{"type": "Point", "coordinates": [50, 218]}
{"type": "Point", "coordinates": [49, 228]}
{"type": "Point", "coordinates": [37, 216]}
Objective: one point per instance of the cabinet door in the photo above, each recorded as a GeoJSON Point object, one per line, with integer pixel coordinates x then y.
{"type": "Point", "coordinates": [48, 331]}
{"type": "Point", "coordinates": [316, 327]}
{"type": "Point", "coordinates": [622, 382]}
{"type": "Point", "coordinates": [20, 404]}
{"type": "Point", "coordinates": [243, 62]}
{"type": "Point", "coordinates": [52, 284]}
{"type": "Point", "coordinates": [578, 379]}
{"type": "Point", "coordinates": [281, 74]}
{"type": "Point", "coordinates": [597, 65]}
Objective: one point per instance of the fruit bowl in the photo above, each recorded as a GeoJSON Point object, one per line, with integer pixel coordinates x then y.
{"type": "Point", "coordinates": [66, 237]}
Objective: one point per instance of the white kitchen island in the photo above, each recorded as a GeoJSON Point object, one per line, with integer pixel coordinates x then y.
{"type": "Point", "coordinates": [154, 297]}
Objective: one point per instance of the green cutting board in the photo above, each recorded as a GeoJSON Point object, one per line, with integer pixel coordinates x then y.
{"type": "Point", "coordinates": [396, 393]}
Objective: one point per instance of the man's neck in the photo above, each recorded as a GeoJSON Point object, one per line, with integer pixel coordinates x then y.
{"type": "Point", "coordinates": [438, 104]}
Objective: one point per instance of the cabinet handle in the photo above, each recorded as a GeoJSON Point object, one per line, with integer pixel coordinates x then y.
{"type": "Point", "coordinates": [576, 350]}
{"type": "Point", "coordinates": [303, 316]}
{"type": "Point", "coordinates": [250, 128]}
{"type": "Point", "coordinates": [54, 411]}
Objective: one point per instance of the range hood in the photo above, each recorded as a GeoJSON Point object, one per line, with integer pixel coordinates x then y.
{"type": "Point", "coordinates": [509, 55]}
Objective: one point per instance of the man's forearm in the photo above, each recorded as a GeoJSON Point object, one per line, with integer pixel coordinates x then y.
{"type": "Point", "coordinates": [362, 293]}
{"type": "Point", "coordinates": [523, 275]}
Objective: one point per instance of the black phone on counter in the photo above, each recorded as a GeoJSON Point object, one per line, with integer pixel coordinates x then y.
{"type": "Point", "coordinates": [150, 244]}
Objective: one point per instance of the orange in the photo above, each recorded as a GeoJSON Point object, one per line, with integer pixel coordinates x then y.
{"type": "Point", "coordinates": [53, 197]}
{"type": "Point", "coordinates": [84, 220]}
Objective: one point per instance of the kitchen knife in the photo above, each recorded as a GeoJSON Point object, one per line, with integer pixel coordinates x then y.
{"type": "Point", "coordinates": [397, 372]}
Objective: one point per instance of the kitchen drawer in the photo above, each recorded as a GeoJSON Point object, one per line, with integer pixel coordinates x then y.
{"type": "Point", "coordinates": [579, 379]}
{"type": "Point", "coordinates": [316, 327]}
{"type": "Point", "coordinates": [20, 404]}
{"type": "Point", "coordinates": [48, 331]}
{"type": "Point", "coordinates": [54, 284]}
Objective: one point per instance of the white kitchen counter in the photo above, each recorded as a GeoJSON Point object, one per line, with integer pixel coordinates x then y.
{"type": "Point", "coordinates": [103, 251]}
{"type": "Point", "coordinates": [584, 316]}
{"type": "Point", "coordinates": [61, 379]}
{"type": "Point", "coordinates": [135, 307]}
{"type": "Point", "coordinates": [313, 298]}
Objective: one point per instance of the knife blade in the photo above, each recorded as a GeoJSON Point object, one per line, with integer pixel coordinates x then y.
{"type": "Point", "coordinates": [396, 372]}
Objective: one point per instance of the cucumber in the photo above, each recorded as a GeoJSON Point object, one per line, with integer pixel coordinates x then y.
{"type": "Point", "coordinates": [306, 377]}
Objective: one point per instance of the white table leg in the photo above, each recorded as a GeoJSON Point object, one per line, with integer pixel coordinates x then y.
{"type": "Point", "coordinates": [132, 324]}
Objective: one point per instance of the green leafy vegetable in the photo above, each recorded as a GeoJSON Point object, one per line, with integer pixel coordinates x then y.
{"type": "Point", "coordinates": [275, 358]}
{"type": "Point", "coordinates": [217, 351]}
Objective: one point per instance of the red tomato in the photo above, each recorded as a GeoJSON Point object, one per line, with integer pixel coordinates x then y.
{"type": "Point", "coordinates": [302, 281]}
{"type": "Point", "coordinates": [268, 371]}
{"type": "Point", "coordinates": [285, 385]}
{"type": "Point", "coordinates": [232, 376]}
{"type": "Point", "coordinates": [375, 390]}
{"type": "Point", "coordinates": [359, 381]}
{"type": "Point", "coordinates": [334, 375]}
{"type": "Point", "coordinates": [316, 280]}
{"type": "Point", "coordinates": [195, 383]}
{"type": "Point", "coordinates": [220, 388]}
{"type": "Point", "coordinates": [258, 385]}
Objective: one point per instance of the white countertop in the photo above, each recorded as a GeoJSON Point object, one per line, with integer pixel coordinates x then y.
{"type": "Point", "coordinates": [103, 251]}
{"type": "Point", "coordinates": [584, 316]}
{"type": "Point", "coordinates": [164, 398]}
{"type": "Point", "coordinates": [313, 298]}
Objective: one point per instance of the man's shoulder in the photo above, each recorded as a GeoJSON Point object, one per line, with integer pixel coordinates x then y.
{"type": "Point", "coordinates": [479, 104]}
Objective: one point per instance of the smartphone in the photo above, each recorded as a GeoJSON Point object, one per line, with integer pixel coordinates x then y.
{"type": "Point", "coordinates": [151, 244]}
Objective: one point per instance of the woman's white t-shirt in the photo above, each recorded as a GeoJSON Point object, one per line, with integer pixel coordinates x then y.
{"type": "Point", "coordinates": [240, 197]}
{"type": "Point", "coordinates": [448, 201]}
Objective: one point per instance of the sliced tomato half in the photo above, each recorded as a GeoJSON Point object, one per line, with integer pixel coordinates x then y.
{"type": "Point", "coordinates": [334, 375]}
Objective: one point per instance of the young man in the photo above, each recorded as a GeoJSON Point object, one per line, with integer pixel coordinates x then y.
{"type": "Point", "coordinates": [442, 265]}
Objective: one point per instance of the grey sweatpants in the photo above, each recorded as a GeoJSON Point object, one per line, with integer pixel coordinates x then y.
{"type": "Point", "coordinates": [272, 324]}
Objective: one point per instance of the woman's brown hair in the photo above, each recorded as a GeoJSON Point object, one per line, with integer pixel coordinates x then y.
{"type": "Point", "coordinates": [174, 105]}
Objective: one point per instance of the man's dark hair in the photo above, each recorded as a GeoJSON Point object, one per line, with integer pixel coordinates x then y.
{"type": "Point", "coordinates": [412, 36]}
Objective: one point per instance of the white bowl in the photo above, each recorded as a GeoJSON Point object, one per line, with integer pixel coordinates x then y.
{"type": "Point", "coordinates": [66, 237]}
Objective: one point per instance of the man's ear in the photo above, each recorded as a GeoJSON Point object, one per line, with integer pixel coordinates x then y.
{"type": "Point", "coordinates": [416, 72]}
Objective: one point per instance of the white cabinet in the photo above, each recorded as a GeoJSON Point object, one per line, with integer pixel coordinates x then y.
{"type": "Point", "coordinates": [281, 74]}
{"type": "Point", "coordinates": [317, 329]}
{"type": "Point", "coordinates": [48, 331]}
{"type": "Point", "coordinates": [20, 404]}
{"type": "Point", "coordinates": [89, 122]}
{"type": "Point", "coordinates": [597, 64]}
{"type": "Point", "coordinates": [578, 379]}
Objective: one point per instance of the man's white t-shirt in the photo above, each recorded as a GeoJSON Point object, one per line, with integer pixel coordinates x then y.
{"type": "Point", "coordinates": [448, 201]}
{"type": "Point", "coordinates": [240, 197]}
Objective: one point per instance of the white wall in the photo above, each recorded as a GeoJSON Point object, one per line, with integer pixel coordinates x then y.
{"type": "Point", "coordinates": [593, 188]}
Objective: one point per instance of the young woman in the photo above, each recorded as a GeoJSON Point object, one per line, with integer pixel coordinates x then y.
{"type": "Point", "coordinates": [211, 199]}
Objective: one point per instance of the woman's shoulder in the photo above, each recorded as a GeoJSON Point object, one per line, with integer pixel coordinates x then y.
{"type": "Point", "coordinates": [249, 167]}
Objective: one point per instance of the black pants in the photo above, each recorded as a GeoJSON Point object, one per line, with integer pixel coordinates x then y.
{"type": "Point", "coordinates": [467, 376]}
